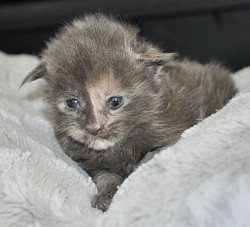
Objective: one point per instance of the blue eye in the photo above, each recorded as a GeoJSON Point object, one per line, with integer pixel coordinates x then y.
{"type": "Point", "coordinates": [115, 102]}
{"type": "Point", "coordinates": [73, 103]}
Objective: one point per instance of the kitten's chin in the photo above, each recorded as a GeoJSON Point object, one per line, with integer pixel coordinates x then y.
{"type": "Point", "coordinates": [101, 144]}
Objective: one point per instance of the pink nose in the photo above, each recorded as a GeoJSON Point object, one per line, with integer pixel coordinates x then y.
{"type": "Point", "coordinates": [94, 129]}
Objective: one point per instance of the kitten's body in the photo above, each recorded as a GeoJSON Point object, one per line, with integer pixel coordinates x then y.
{"type": "Point", "coordinates": [97, 58]}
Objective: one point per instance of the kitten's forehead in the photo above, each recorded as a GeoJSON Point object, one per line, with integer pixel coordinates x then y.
{"type": "Point", "coordinates": [105, 84]}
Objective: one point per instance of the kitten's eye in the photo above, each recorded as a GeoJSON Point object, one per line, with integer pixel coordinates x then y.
{"type": "Point", "coordinates": [115, 102]}
{"type": "Point", "coordinates": [73, 103]}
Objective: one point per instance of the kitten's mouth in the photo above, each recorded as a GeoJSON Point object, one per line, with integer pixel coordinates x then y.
{"type": "Point", "coordinates": [101, 144]}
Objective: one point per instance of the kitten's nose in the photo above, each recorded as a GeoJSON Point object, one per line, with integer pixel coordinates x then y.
{"type": "Point", "coordinates": [94, 129]}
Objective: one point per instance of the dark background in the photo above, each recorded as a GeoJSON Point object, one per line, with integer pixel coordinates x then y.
{"type": "Point", "coordinates": [204, 30]}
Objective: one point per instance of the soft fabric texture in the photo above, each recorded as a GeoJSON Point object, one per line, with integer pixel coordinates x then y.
{"type": "Point", "coordinates": [201, 181]}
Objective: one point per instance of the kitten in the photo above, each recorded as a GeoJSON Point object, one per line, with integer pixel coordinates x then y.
{"type": "Point", "coordinates": [116, 99]}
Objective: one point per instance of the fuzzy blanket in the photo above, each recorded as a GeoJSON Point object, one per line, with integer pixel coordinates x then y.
{"type": "Point", "coordinates": [202, 181]}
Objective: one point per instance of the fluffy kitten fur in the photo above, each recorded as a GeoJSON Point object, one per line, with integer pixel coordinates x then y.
{"type": "Point", "coordinates": [97, 57]}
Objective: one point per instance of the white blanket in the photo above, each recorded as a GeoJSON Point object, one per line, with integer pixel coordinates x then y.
{"type": "Point", "coordinates": [202, 181]}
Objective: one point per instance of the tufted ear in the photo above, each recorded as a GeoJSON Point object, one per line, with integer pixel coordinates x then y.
{"type": "Point", "coordinates": [153, 56]}
{"type": "Point", "coordinates": [38, 72]}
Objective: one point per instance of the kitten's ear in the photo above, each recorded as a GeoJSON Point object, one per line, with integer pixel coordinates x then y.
{"type": "Point", "coordinates": [153, 56]}
{"type": "Point", "coordinates": [38, 72]}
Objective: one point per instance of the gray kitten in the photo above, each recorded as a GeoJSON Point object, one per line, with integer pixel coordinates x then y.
{"type": "Point", "coordinates": [116, 99]}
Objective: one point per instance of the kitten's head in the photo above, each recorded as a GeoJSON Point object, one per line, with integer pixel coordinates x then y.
{"type": "Point", "coordinates": [101, 81]}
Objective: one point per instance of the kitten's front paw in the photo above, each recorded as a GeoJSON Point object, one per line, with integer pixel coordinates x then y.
{"type": "Point", "coordinates": [106, 184]}
{"type": "Point", "coordinates": [101, 202]}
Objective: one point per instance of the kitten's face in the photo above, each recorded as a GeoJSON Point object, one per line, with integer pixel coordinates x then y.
{"type": "Point", "coordinates": [102, 109]}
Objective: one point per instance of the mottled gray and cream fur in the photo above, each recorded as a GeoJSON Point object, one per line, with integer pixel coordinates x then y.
{"type": "Point", "coordinates": [157, 97]}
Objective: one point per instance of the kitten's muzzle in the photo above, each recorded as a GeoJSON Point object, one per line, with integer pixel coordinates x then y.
{"type": "Point", "coordinates": [94, 129]}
